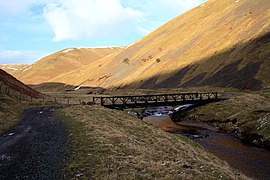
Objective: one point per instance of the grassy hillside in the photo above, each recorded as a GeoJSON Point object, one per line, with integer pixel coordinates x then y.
{"type": "Point", "coordinates": [222, 43]}
{"type": "Point", "coordinates": [9, 83]}
{"type": "Point", "coordinates": [110, 144]}
{"type": "Point", "coordinates": [60, 62]}
{"type": "Point", "coordinates": [10, 104]}
{"type": "Point", "coordinates": [246, 115]}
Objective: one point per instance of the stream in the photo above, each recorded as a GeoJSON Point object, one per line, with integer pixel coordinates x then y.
{"type": "Point", "coordinates": [252, 161]}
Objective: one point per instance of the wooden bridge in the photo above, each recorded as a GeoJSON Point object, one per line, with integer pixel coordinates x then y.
{"type": "Point", "coordinates": [122, 102]}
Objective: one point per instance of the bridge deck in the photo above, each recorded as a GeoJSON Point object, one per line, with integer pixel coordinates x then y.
{"type": "Point", "coordinates": [157, 99]}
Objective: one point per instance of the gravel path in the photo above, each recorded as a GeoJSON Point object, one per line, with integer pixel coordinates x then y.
{"type": "Point", "coordinates": [35, 148]}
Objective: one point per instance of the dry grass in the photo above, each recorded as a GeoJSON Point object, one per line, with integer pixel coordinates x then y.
{"type": "Point", "coordinates": [10, 111]}
{"type": "Point", "coordinates": [130, 91]}
{"type": "Point", "coordinates": [246, 113]}
{"type": "Point", "coordinates": [88, 93]}
{"type": "Point", "coordinates": [110, 144]}
{"type": "Point", "coordinates": [58, 63]}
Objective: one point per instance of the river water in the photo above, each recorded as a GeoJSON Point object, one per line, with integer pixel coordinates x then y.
{"type": "Point", "coordinates": [253, 161]}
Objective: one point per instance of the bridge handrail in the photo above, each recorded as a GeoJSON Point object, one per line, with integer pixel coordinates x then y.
{"type": "Point", "coordinates": [198, 95]}
{"type": "Point", "coordinates": [147, 95]}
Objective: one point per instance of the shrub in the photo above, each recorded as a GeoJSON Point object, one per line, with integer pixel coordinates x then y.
{"type": "Point", "coordinates": [126, 60]}
{"type": "Point", "coordinates": [158, 60]}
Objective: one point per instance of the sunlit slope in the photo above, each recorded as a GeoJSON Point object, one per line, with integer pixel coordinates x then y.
{"type": "Point", "coordinates": [221, 43]}
{"type": "Point", "coordinates": [62, 62]}
{"type": "Point", "coordinates": [14, 69]}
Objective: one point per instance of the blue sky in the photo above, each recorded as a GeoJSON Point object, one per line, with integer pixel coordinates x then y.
{"type": "Point", "coordinates": [32, 29]}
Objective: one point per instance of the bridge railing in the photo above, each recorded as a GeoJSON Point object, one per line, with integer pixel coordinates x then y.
{"type": "Point", "coordinates": [157, 98]}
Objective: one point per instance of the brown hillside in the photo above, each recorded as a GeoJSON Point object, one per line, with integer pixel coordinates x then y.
{"type": "Point", "coordinates": [12, 96]}
{"type": "Point", "coordinates": [224, 43]}
{"type": "Point", "coordinates": [11, 83]}
{"type": "Point", "coordinates": [61, 62]}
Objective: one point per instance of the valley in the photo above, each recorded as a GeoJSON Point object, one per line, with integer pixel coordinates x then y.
{"type": "Point", "coordinates": [86, 123]}
{"type": "Point", "coordinates": [51, 127]}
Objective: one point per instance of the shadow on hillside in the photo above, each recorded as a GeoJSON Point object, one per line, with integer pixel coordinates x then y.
{"type": "Point", "coordinates": [9, 85]}
{"type": "Point", "coordinates": [236, 67]}
{"type": "Point", "coordinates": [61, 87]}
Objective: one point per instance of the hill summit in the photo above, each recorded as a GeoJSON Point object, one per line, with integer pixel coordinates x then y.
{"type": "Point", "coordinates": [58, 63]}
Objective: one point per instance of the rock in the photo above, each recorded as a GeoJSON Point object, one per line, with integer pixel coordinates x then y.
{"type": "Point", "coordinates": [200, 136]}
{"type": "Point", "coordinates": [90, 103]}
{"type": "Point", "coordinates": [187, 166]}
{"type": "Point", "coordinates": [196, 136]}
{"type": "Point", "coordinates": [83, 103]}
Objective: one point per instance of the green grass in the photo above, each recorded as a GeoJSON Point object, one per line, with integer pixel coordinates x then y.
{"type": "Point", "coordinates": [110, 144]}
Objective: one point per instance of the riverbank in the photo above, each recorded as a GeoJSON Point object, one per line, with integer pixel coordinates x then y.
{"type": "Point", "coordinates": [245, 115]}
{"type": "Point", "coordinates": [252, 161]}
{"type": "Point", "coordinates": [112, 144]}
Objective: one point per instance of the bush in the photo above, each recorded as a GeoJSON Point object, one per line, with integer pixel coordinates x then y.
{"type": "Point", "coordinates": [126, 60]}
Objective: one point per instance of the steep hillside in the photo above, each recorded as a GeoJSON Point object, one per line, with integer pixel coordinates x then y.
{"type": "Point", "coordinates": [10, 104]}
{"type": "Point", "coordinates": [8, 83]}
{"type": "Point", "coordinates": [224, 43]}
{"type": "Point", "coordinates": [61, 62]}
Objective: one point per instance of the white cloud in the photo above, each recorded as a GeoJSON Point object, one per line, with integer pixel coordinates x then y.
{"type": "Point", "coordinates": [95, 19]}
{"type": "Point", "coordinates": [13, 57]}
{"type": "Point", "coordinates": [79, 19]}
{"type": "Point", "coordinates": [93, 22]}
{"type": "Point", "coordinates": [76, 19]}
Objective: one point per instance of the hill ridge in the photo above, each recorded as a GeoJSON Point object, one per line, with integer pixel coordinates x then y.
{"type": "Point", "coordinates": [197, 48]}
{"type": "Point", "coordinates": [204, 32]}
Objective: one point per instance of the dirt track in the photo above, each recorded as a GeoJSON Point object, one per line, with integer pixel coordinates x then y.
{"type": "Point", "coordinates": [35, 148]}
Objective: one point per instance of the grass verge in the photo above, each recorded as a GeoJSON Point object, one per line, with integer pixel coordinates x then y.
{"type": "Point", "coordinates": [11, 109]}
{"type": "Point", "coordinates": [110, 144]}
{"type": "Point", "coordinates": [10, 112]}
